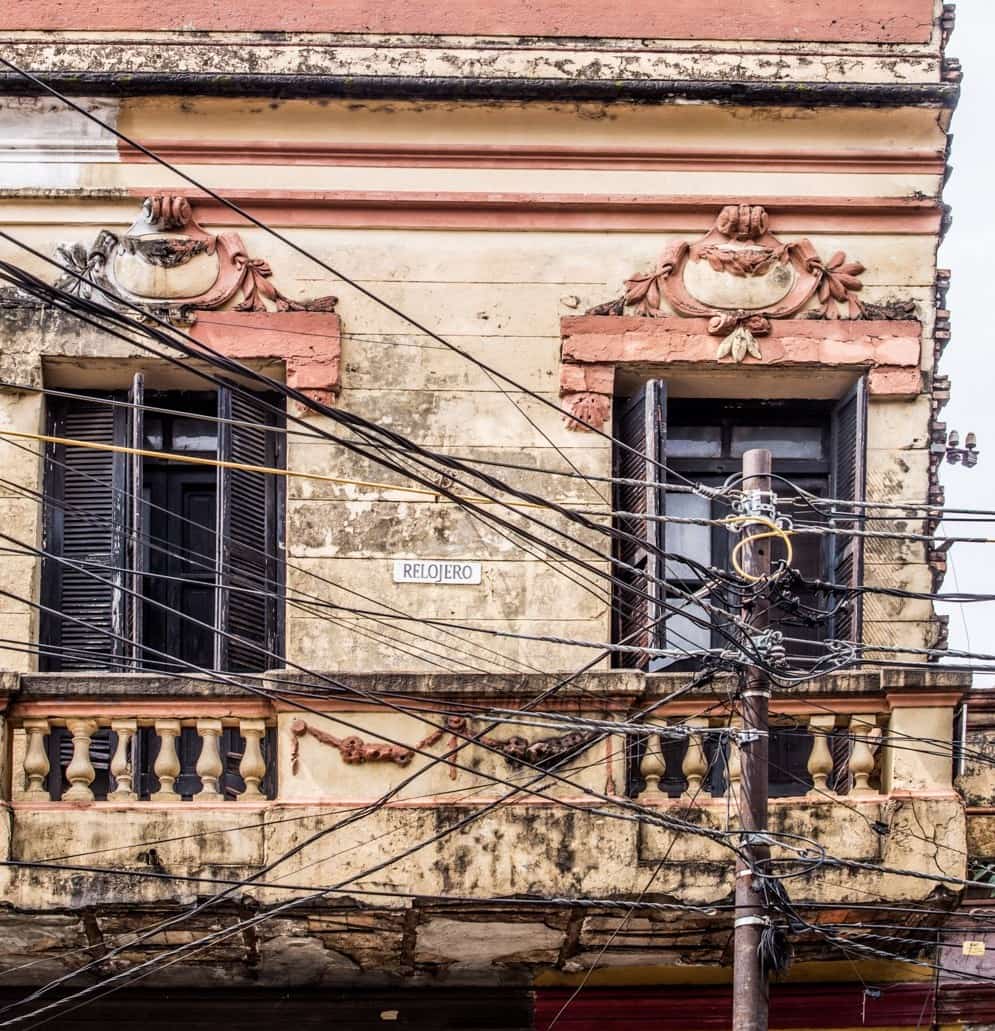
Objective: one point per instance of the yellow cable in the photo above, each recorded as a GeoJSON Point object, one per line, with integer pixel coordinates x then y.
{"type": "Point", "coordinates": [774, 531]}
{"type": "Point", "coordinates": [241, 466]}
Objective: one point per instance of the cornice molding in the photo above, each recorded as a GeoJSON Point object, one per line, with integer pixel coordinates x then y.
{"type": "Point", "coordinates": [492, 89]}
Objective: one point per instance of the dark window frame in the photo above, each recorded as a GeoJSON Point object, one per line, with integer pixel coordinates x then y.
{"type": "Point", "coordinates": [115, 642]}
{"type": "Point", "coordinates": [645, 420]}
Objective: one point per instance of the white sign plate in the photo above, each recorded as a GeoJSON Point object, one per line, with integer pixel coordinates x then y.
{"type": "Point", "coordinates": [435, 571]}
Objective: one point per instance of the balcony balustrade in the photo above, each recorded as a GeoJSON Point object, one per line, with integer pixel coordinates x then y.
{"type": "Point", "coordinates": [125, 758]}
{"type": "Point", "coordinates": [850, 736]}
{"type": "Point", "coordinates": [140, 769]}
{"type": "Point", "coordinates": [814, 755]}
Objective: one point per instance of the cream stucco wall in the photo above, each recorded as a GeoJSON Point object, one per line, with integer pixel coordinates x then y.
{"type": "Point", "coordinates": [496, 288]}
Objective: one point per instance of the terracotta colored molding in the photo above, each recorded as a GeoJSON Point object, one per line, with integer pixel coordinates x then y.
{"type": "Point", "coordinates": [439, 155]}
{"type": "Point", "coordinates": [888, 350]}
{"type": "Point", "coordinates": [179, 708]}
{"type": "Point", "coordinates": [143, 806]}
{"type": "Point", "coordinates": [842, 21]}
{"type": "Point", "coordinates": [414, 209]}
{"type": "Point", "coordinates": [846, 706]}
{"type": "Point", "coordinates": [134, 269]}
{"type": "Point", "coordinates": [633, 339]}
{"type": "Point", "coordinates": [309, 343]}
{"type": "Point", "coordinates": [926, 700]}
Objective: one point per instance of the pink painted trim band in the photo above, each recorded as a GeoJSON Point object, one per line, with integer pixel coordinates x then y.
{"type": "Point", "coordinates": [402, 209]}
{"type": "Point", "coordinates": [930, 700]}
{"type": "Point", "coordinates": [309, 343]}
{"type": "Point", "coordinates": [835, 21]}
{"type": "Point", "coordinates": [595, 347]}
{"type": "Point", "coordinates": [419, 155]}
{"type": "Point", "coordinates": [807, 342]}
{"type": "Point", "coordinates": [165, 709]}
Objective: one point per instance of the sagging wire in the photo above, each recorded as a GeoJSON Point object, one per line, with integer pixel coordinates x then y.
{"type": "Point", "coordinates": [74, 303]}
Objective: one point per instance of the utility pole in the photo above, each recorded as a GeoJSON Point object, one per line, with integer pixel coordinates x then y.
{"type": "Point", "coordinates": [749, 1004]}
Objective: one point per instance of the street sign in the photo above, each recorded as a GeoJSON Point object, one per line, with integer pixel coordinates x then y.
{"type": "Point", "coordinates": [432, 571]}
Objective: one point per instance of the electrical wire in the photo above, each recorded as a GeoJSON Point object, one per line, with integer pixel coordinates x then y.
{"type": "Point", "coordinates": [336, 415]}
{"type": "Point", "coordinates": [364, 291]}
{"type": "Point", "coordinates": [850, 532]}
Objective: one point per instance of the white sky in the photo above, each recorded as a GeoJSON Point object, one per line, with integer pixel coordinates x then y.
{"type": "Point", "coordinates": [969, 251]}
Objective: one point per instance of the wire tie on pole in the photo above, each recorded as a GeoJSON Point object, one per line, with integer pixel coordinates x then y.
{"type": "Point", "coordinates": [751, 921]}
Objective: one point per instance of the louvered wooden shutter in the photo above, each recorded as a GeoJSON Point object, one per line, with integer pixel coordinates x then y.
{"type": "Point", "coordinates": [640, 423]}
{"type": "Point", "coordinates": [249, 527]}
{"type": "Point", "coordinates": [85, 523]}
{"type": "Point", "coordinates": [849, 457]}
{"type": "Point", "coordinates": [136, 521]}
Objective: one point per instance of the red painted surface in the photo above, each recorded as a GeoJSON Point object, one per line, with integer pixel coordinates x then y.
{"type": "Point", "coordinates": [704, 1009]}
{"type": "Point", "coordinates": [413, 209]}
{"type": "Point", "coordinates": [310, 343]}
{"type": "Point", "coordinates": [595, 346]}
{"type": "Point", "coordinates": [835, 21]}
{"type": "Point", "coordinates": [630, 339]}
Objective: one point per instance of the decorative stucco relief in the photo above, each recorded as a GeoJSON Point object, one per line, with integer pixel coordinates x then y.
{"type": "Point", "coordinates": [740, 276]}
{"type": "Point", "coordinates": [738, 295]}
{"type": "Point", "coordinates": [169, 266]}
{"type": "Point", "coordinates": [516, 750]}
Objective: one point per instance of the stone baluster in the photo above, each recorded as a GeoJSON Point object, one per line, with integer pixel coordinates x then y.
{"type": "Point", "coordinates": [820, 759]}
{"type": "Point", "coordinates": [695, 764]}
{"type": "Point", "coordinates": [865, 737]}
{"type": "Point", "coordinates": [252, 769]}
{"type": "Point", "coordinates": [167, 762]}
{"type": "Point", "coordinates": [652, 768]}
{"type": "Point", "coordinates": [209, 766]}
{"type": "Point", "coordinates": [80, 771]}
{"type": "Point", "coordinates": [36, 763]}
{"type": "Point", "coordinates": [122, 762]}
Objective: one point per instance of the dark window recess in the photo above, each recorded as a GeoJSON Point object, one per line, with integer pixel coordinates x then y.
{"type": "Point", "coordinates": [156, 564]}
{"type": "Point", "coordinates": [789, 748]}
{"type": "Point", "coordinates": [60, 753]}
{"type": "Point", "coordinates": [145, 749]}
{"type": "Point", "coordinates": [818, 445]}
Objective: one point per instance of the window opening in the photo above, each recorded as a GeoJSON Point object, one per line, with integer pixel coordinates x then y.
{"type": "Point", "coordinates": [817, 445]}
{"type": "Point", "coordinates": [197, 544]}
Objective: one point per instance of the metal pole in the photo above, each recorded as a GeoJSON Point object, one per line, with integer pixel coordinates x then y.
{"type": "Point", "coordinates": [750, 1000]}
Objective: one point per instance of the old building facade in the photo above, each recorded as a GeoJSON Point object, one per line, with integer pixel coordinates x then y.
{"type": "Point", "coordinates": [240, 630]}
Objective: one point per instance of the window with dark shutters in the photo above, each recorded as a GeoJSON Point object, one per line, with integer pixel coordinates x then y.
{"type": "Point", "coordinates": [849, 447]}
{"type": "Point", "coordinates": [84, 619]}
{"type": "Point", "coordinates": [249, 506]}
{"type": "Point", "coordinates": [200, 546]}
{"type": "Point", "coordinates": [815, 444]}
{"type": "Point", "coordinates": [640, 428]}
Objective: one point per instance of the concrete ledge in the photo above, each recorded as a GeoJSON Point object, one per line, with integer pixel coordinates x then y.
{"type": "Point", "coordinates": [626, 686]}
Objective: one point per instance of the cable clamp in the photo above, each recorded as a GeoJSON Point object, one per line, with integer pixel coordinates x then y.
{"type": "Point", "coordinates": [751, 921]}
{"type": "Point", "coordinates": [844, 652]}
{"type": "Point", "coordinates": [770, 648]}
{"type": "Point", "coordinates": [756, 504]}
{"type": "Point", "coordinates": [754, 694]}
{"type": "Point", "coordinates": [747, 737]}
